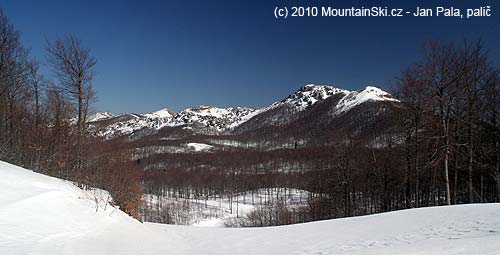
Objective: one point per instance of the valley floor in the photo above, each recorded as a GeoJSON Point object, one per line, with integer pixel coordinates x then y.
{"type": "Point", "coordinates": [45, 215]}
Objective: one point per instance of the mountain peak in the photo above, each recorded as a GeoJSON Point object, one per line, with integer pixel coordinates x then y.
{"type": "Point", "coordinates": [312, 86]}
{"type": "Point", "coordinates": [310, 94]}
{"type": "Point", "coordinates": [372, 88]}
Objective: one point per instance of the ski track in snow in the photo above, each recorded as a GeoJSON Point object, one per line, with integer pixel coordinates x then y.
{"type": "Point", "coordinates": [45, 215]}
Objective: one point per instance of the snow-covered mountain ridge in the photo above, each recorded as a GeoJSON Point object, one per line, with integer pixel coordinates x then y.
{"type": "Point", "coordinates": [210, 119]}
{"type": "Point", "coordinates": [216, 118]}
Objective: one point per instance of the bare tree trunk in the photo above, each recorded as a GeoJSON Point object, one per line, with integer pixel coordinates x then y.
{"type": "Point", "coordinates": [73, 65]}
{"type": "Point", "coordinates": [445, 124]}
{"type": "Point", "coordinates": [447, 179]}
{"type": "Point", "coordinates": [455, 182]}
{"type": "Point", "coordinates": [417, 188]}
{"type": "Point", "coordinates": [407, 202]}
{"type": "Point", "coordinates": [497, 167]}
{"type": "Point", "coordinates": [470, 164]}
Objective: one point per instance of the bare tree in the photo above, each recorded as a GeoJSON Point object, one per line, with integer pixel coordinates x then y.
{"type": "Point", "coordinates": [477, 75]}
{"type": "Point", "coordinates": [37, 85]}
{"type": "Point", "coordinates": [13, 58]}
{"type": "Point", "coordinates": [72, 64]}
{"type": "Point", "coordinates": [440, 61]}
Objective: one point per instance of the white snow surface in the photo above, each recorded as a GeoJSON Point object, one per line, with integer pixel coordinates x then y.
{"type": "Point", "coordinates": [223, 210]}
{"type": "Point", "coordinates": [45, 215]}
{"type": "Point", "coordinates": [200, 146]}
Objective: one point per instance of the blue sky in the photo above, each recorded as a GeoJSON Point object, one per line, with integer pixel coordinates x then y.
{"type": "Point", "coordinates": [178, 54]}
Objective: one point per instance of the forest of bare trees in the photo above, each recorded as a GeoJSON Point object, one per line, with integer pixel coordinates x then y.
{"type": "Point", "coordinates": [43, 120]}
{"type": "Point", "coordinates": [453, 104]}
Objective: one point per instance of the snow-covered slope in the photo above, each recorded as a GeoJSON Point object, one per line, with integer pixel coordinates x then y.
{"type": "Point", "coordinates": [44, 215]}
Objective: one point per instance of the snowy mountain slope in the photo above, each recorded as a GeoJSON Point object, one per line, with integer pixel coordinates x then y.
{"type": "Point", "coordinates": [316, 108]}
{"type": "Point", "coordinates": [45, 215]}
